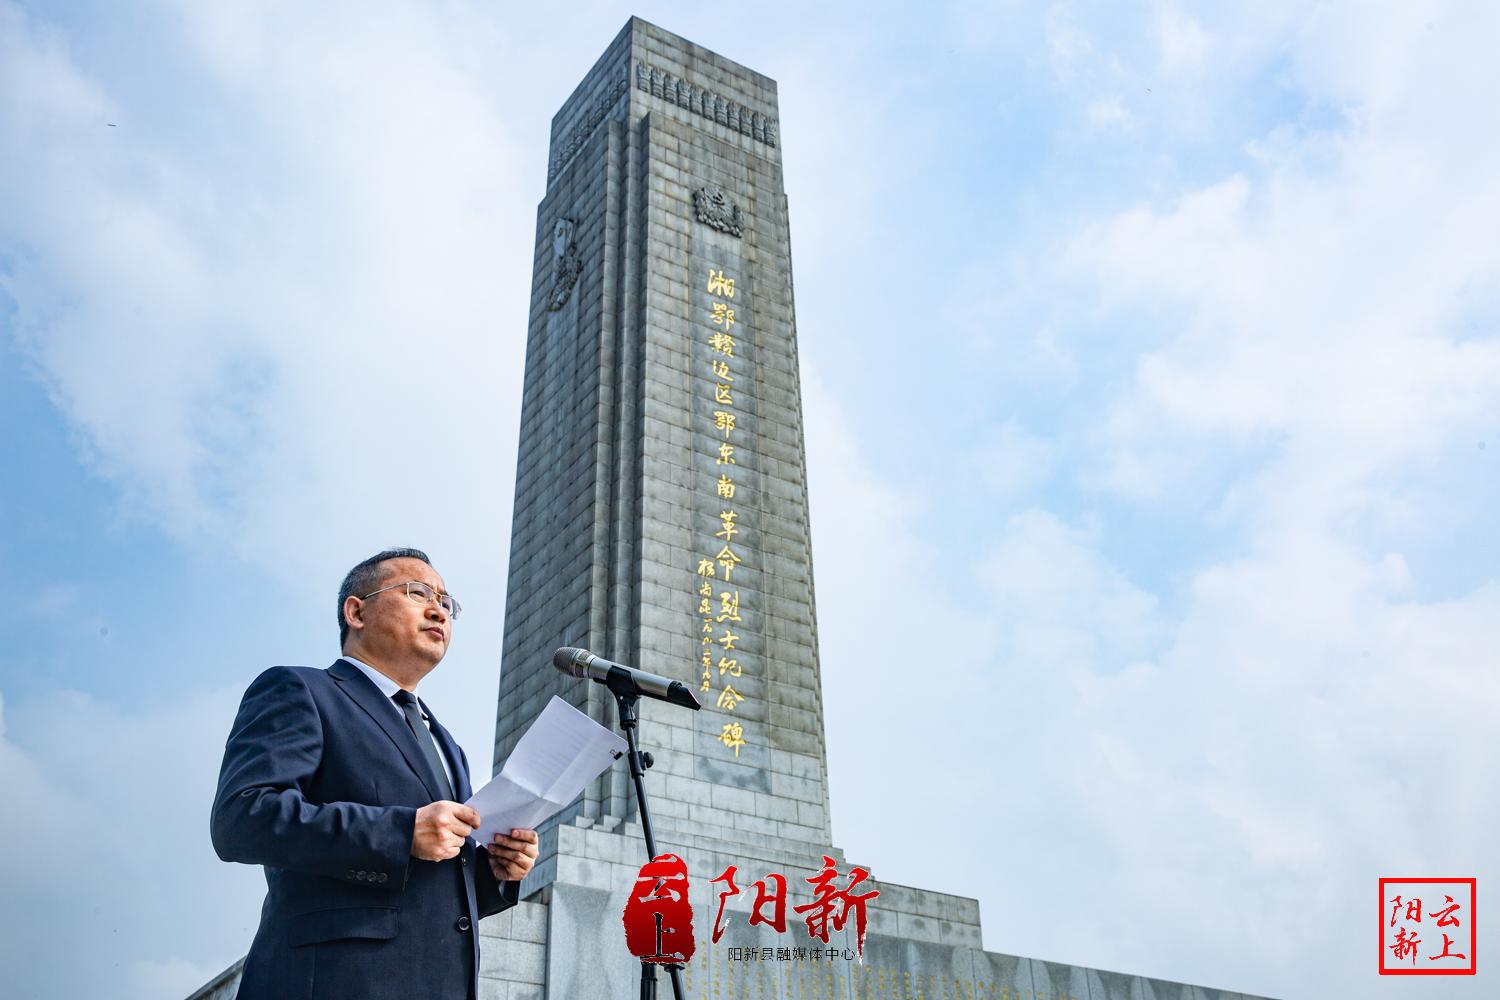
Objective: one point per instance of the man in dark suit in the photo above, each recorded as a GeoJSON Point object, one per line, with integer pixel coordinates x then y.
{"type": "Point", "coordinates": [343, 785]}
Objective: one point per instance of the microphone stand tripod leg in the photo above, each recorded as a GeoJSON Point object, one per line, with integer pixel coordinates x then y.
{"type": "Point", "coordinates": [627, 702]}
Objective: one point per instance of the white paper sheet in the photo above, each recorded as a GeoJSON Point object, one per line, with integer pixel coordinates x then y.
{"type": "Point", "coordinates": [561, 752]}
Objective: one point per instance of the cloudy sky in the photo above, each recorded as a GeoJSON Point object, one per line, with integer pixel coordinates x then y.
{"type": "Point", "coordinates": [1152, 392]}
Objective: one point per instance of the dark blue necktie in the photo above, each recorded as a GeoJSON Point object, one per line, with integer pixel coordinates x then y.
{"type": "Point", "coordinates": [408, 703]}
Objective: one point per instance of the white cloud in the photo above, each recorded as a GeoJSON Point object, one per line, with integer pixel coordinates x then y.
{"type": "Point", "coordinates": [172, 977]}
{"type": "Point", "coordinates": [1305, 320]}
{"type": "Point", "coordinates": [29, 794]}
{"type": "Point", "coordinates": [280, 335]}
{"type": "Point", "coordinates": [873, 568]}
{"type": "Point", "coordinates": [1151, 777]}
{"type": "Point", "coordinates": [1061, 606]}
{"type": "Point", "coordinates": [118, 803]}
{"type": "Point", "coordinates": [1183, 42]}
{"type": "Point", "coordinates": [279, 342]}
{"type": "Point", "coordinates": [1011, 460]}
{"type": "Point", "coordinates": [1230, 760]}
{"type": "Point", "coordinates": [1068, 44]}
{"type": "Point", "coordinates": [1108, 113]}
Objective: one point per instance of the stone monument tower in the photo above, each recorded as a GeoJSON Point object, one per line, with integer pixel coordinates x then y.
{"type": "Point", "coordinates": [661, 496]}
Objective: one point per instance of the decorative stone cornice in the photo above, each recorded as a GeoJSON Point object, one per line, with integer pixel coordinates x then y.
{"type": "Point", "coordinates": [704, 102]}
{"type": "Point", "coordinates": [590, 121]}
{"type": "Point", "coordinates": [674, 90]}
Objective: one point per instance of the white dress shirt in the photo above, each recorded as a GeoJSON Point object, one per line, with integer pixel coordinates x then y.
{"type": "Point", "coordinates": [389, 688]}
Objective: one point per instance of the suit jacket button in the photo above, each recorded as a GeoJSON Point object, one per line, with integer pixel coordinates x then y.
{"type": "Point", "coordinates": [360, 875]}
{"type": "Point", "coordinates": [381, 877]}
{"type": "Point", "coordinates": [465, 860]}
{"type": "Point", "coordinates": [463, 923]}
{"type": "Point", "coordinates": [349, 873]}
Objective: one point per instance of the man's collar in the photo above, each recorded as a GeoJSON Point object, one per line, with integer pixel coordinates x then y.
{"type": "Point", "coordinates": [387, 686]}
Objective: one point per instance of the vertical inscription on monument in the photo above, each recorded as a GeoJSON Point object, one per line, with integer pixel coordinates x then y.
{"type": "Point", "coordinates": [724, 378]}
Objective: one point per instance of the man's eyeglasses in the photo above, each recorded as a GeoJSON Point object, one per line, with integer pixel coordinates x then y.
{"type": "Point", "coordinates": [423, 594]}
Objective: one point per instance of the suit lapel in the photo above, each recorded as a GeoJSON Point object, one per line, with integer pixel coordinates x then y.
{"type": "Point", "coordinates": [455, 759]}
{"type": "Point", "coordinates": [380, 708]}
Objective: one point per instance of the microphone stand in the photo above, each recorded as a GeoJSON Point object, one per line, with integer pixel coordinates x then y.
{"type": "Point", "coordinates": [626, 698]}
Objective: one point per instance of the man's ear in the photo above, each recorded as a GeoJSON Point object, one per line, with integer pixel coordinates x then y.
{"type": "Point", "coordinates": [354, 613]}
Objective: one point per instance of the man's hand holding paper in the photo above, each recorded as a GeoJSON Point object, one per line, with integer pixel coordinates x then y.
{"type": "Point", "coordinates": [561, 752]}
{"type": "Point", "coordinates": [512, 857]}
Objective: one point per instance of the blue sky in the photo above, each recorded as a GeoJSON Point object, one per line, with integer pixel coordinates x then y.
{"type": "Point", "coordinates": [1152, 393]}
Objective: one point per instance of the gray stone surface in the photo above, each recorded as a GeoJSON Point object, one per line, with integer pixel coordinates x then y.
{"type": "Point", "coordinates": [1113, 986]}
{"type": "Point", "coordinates": [1055, 979]}
{"type": "Point", "coordinates": [224, 986]}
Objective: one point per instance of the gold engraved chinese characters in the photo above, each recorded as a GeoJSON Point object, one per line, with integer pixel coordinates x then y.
{"type": "Point", "coordinates": [720, 604]}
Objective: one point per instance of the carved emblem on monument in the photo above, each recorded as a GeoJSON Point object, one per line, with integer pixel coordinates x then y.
{"type": "Point", "coordinates": [566, 264]}
{"type": "Point", "coordinates": [714, 208]}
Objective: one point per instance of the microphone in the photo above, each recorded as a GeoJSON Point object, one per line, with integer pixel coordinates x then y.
{"type": "Point", "coordinates": [621, 679]}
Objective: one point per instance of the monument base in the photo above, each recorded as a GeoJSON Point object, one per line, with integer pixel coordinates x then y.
{"type": "Point", "coordinates": [566, 940]}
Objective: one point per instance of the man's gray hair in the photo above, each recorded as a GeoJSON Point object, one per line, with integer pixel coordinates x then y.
{"type": "Point", "coordinates": [366, 577]}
